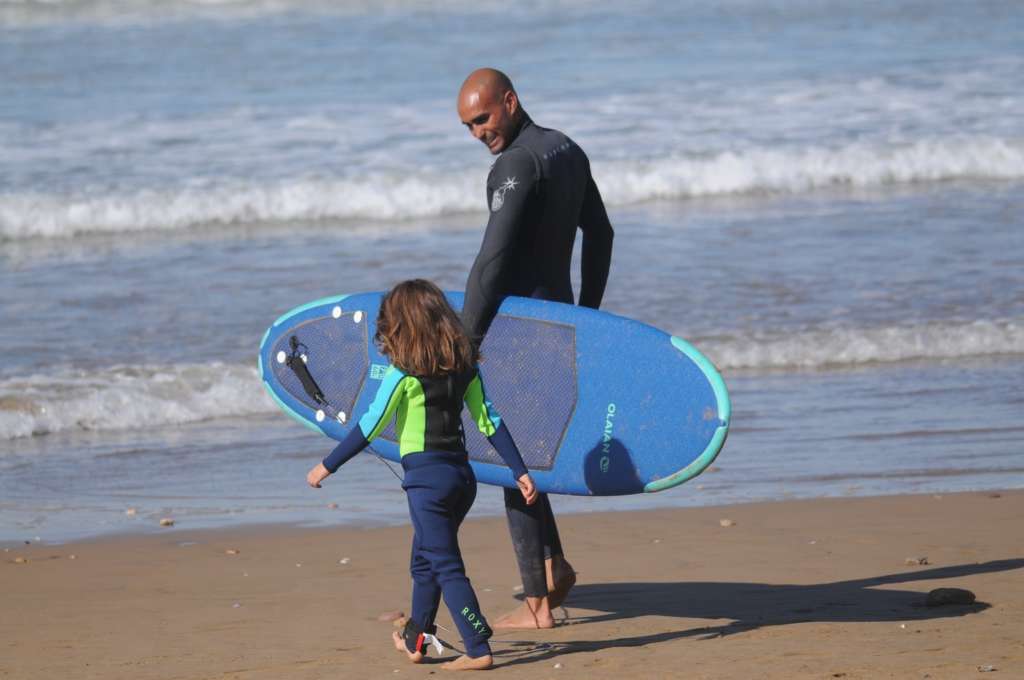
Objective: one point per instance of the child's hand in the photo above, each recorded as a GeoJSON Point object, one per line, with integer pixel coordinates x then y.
{"type": "Point", "coordinates": [317, 475]}
{"type": "Point", "coordinates": [527, 488]}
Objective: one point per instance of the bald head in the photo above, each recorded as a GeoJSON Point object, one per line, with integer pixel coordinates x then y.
{"type": "Point", "coordinates": [489, 107]}
{"type": "Point", "coordinates": [487, 84]}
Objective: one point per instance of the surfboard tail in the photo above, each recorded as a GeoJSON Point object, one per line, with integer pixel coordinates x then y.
{"type": "Point", "coordinates": [724, 407]}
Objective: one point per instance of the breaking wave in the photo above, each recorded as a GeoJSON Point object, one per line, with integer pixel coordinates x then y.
{"type": "Point", "coordinates": [429, 194]}
{"type": "Point", "coordinates": [835, 348]}
{"type": "Point", "coordinates": [130, 397]}
{"type": "Point", "coordinates": [21, 13]}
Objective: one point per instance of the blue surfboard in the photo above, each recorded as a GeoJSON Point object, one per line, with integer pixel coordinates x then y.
{"type": "Point", "coordinates": [598, 404]}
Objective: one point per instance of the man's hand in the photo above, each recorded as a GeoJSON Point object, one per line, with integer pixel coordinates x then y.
{"type": "Point", "coordinates": [529, 491]}
{"type": "Point", "coordinates": [318, 474]}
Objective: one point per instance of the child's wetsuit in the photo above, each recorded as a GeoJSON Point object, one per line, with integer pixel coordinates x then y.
{"type": "Point", "coordinates": [439, 484]}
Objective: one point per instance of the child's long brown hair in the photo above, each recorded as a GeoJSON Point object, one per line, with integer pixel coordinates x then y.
{"type": "Point", "coordinates": [420, 332]}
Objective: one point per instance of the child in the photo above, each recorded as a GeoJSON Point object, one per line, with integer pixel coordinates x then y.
{"type": "Point", "coordinates": [433, 372]}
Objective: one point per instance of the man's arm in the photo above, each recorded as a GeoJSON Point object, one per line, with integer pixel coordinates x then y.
{"type": "Point", "coordinates": [510, 187]}
{"type": "Point", "coordinates": [597, 247]}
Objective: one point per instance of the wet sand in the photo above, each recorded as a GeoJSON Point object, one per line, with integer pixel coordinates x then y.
{"type": "Point", "coordinates": [807, 589]}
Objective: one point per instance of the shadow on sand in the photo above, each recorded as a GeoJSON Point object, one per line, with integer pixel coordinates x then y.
{"type": "Point", "coordinates": [748, 606]}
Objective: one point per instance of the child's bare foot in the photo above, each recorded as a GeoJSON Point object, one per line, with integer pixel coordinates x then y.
{"type": "Point", "coordinates": [532, 614]}
{"type": "Point", "coordinates": [468, 663]}
{"type": "Point", "coordinates": [415, 657]}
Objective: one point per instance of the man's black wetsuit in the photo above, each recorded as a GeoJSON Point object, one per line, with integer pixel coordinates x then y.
{"type": "Point", "coordinates": [538, 192]}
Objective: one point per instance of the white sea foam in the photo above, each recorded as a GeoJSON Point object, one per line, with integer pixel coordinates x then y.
{"type": "Point", "coordinates": [799, 170]}
{"type": "Point", "coordinates": [128, 397]}
{"type": "Point", "coordinates": [18, 13]}
{"type": "Point", "coordinates": [844, 347]}
{"type": "Point", "coordinates": [437, 192]}
{"type": "Point", "coordinates": [370, 198]}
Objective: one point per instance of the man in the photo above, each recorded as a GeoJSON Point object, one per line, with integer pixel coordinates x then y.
{"type": "Point", "coordinates": [539, 191]}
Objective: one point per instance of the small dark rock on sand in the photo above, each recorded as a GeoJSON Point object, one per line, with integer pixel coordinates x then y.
{"type": "Point", "coordinates": [943, 596]}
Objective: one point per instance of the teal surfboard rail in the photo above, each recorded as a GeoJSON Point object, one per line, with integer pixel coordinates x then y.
{"type": "Point", "coordinates": [288, 409]}
{"type": "Point", "coordinates": [724, 415]}
{"type": "Point", "coordinates": [333, 300]}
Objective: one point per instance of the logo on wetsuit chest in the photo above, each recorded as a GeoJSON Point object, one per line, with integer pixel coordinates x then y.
{"type": "Point", "coordinates": [498, 197]}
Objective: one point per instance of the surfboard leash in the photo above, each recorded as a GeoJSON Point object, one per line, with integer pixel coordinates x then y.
{"type": "Point", "coordinates": [386, 464]}
{"type": "Point", "coordinates": [296, 361]}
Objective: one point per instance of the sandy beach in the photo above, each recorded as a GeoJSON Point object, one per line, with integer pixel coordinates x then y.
{"type": "Point", "coordinates": [810, 589]}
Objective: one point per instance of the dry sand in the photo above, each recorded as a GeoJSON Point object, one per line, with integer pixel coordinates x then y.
{"type": "Point", "coordinates": [801, 589]}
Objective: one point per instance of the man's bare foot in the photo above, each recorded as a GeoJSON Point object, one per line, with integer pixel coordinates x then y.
{"type": "Point", "coordinates": [468, 663]}
{"type": "Point", "coordinates": [561, 579]}
{"type": "Point", "coordinates": [532, 614]}
{"type": "Point", "coordinates": [415, 657]}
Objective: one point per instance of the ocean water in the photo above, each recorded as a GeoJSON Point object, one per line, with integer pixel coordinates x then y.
{"type": "Point", "coordinates": [826, 197]}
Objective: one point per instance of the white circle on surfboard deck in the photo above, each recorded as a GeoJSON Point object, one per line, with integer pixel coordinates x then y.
{"type": "Point", "coordinates": [336, 312]}
{"type": "Point", "coordinates": [281, 357]}
{"type": "Point", "coordinates": [357, 317]}
{"type": "Point", "coordinates": [305, 359]}
{"type": "Point", "coordinates": [342, 417]}
{"type": "Point", "coordinates": [319, 416]}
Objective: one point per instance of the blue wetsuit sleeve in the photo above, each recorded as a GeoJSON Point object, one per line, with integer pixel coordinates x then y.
{"type": "Point", "coordinates": [385, 403]}
{"type": "Point", "coordinates": [490, 424]}
{"type": "Point", "coordinates": [510, 188]}
{"type": "Point", "coordinates": [346, 450]}
{"type": "Point", "coordinates": [596, 252]}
